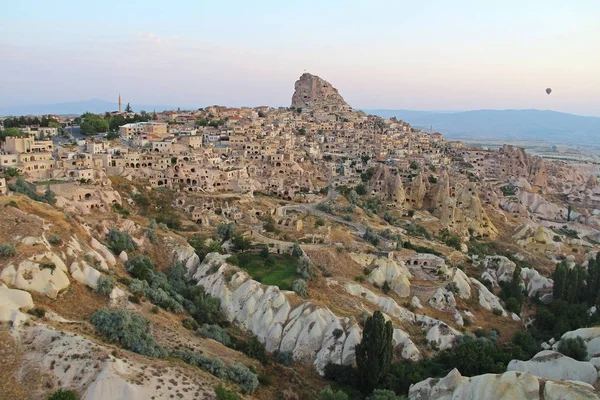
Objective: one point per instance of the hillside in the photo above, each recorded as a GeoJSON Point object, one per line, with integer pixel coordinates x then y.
{"type": "Point", "coordinates": [509, 125]}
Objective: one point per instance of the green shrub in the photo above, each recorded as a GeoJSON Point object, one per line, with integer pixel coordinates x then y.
{"type": "Point", "coordinates": [383, 394]}
{"type": "Point", "coordinates": [306, 269]}
{"type": "Point", "coordinates": [7, 250]}
{"type": "Point", "coordinates": [105, 285]}
{"type": "Point", "coordinates": [241, 375]}
{"type": "Point", "coordinates": [215, 332]}
{"type": "Point", "coordinates": [50, 266]}
{"type": "Point", "coordinates": [497, 311]}
{"type": "Point", "coordinates": [328, 394]}
{"type": "Point", "coordinates": [21, 186]}
{"type": "Point", "coordinates": [224, 394]}
{"type": "Point", "coordinates": [253, 348]}
{"type": "Point", "coordinates": [299, 286]}
{"type": "Point", "coordinates": [130, 331]}
{"type": "Point", "coordinates": [285, 358]}
{"type": "Point", "coordinates": [371, 236]}
{"type": "Point", "coordinates": [190, 323]}
{"type": "Point", "coordinates": [38, 311]}
{"type": "Point", "coordinates": [120, 241]}
{"type": "Point", "coordinates": [54, 240]}
{"type": "Point", "coordinates": [214, 366]}
{"type": "Point", "coordinates": [140, 267]}
{"type": "Point", "coordinates": [61, 394]}
{"type": "Point", "coordinates": [573, 347]}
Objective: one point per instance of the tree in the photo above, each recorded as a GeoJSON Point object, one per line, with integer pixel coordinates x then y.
{"type": "Point", "coordinates": [296, 250]}
{"type": "Point", "coordinates": [361, 189]}
{"type": "Point", "coordinates": [226, 231]}
{"type": "Point", "coordinates": [128, 108]}
{"type": "Point", "coordinates": [241, 243]}
{"type": "Point", "coordinates": [93, 124]}
{"type": "Point", "coordinates": [16, 132]}
{"type": "Point", "coordinates": [375, 351]}
{"type": "Point", "coordinates": [560, 281]}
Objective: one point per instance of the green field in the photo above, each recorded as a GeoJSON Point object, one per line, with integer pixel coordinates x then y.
{"type": "Point", "coordinates": [281, 273]}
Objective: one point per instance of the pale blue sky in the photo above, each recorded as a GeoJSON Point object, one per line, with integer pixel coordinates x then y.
{"type": "Point", "coordinates": [440, 55]}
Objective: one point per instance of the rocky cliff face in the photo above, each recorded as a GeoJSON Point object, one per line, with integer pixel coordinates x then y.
{"type": "Point", "coordinates": [312, 92]}
{"type": "Point", "coordinates": [469, 215]}
{"type": "Point", "coordinates": [387, 187]}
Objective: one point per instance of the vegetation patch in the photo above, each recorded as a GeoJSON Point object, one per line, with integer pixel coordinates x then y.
{"type": "Point", "coordinates": [281, 272]}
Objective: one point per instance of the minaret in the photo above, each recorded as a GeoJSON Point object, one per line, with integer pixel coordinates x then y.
{"type": "Point", "coordinates": [120, 104]}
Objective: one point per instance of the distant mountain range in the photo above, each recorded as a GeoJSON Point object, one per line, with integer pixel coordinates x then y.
{"type": "Point", "coordinates": [508, 125]}
{"type": "Point", "coordinates": [77, 107]}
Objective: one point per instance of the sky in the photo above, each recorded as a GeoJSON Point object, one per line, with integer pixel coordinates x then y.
{"type": "Point", "coordinates": [419, 55]}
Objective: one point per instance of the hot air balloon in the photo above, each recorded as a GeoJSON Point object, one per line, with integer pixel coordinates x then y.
{"type": "Point", "coordinates": [548, 90]}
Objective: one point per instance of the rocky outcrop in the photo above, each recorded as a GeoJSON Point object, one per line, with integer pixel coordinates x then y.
{"type": "Point", "coordinates": [487, 299]}
{"type": "Point", "coordinates": [314, 93]}
{"type": "Point", "coordinates": [309, 332]}
{"type": "Point", "coordinates": [13, 304]}
{"type": "Point", "coordinates": [441, 201]}
{"type": "Point", "coordinates": [70, 361]}
{"type": "Point", "coordinates": [537, 237]}
{"type": "Point", "coordinates": [498, 269]}
{"type": "Point", "coordinates": [46, 278]}
{"type": "Point", "coordinates": [591, 337]}
{"type": "Point", "coordinates": [417, 192]}
{"type": "Point", "coordinates": [442, 299]}
{"type": "Point", "coordinates": [510, 385]}
{"type": "Point", "coordinates": [552, 365]}
{"type": "Point", "coordinates": [469, 215]}
{"type": "Point", "coordinates": [395, 274]}
{"type": "Point", "coordinates": [387, 186]}
{"type": "Point", "coordinates": [437, 331]}
{"type": "Point", "coordinates": [538, 205]}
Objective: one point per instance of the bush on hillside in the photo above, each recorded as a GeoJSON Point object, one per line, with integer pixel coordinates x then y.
{"type": "Point", "coordinates": [224, 394]}
{"type": "Point", "coordinates": [328, 394]}
{"type": "Point", "coordinates": [383, 394]}
{"type": "Point", "coordinates": [105, 285]}
{"type": "Point", "coordinates": [299, 286]}
{"type": "Point", "coordinates": [7, 250]}
{"type": "Point", "coordinates": [61, 394]}
{"type": "Point", "coordinates": [120, 241]}
{"type": "Point", "coordinates": [573, 347]}
{"type": "Point", "coordinates": [130, 331]}
{"type": "Point", "coordinates": [215, 332]}
{"type": "Point", "coordinates": [241, 375]}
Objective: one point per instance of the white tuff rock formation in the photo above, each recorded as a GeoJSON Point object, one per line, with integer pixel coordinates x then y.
{"type": "Point", "coordinates": [510, 385]}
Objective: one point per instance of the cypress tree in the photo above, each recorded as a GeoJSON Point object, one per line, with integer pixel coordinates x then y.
{"type": "Point", "coordinates": [560, 281]}
{"type": "Point", "coordinates": [374, 353]}
{"type": "Point", "coordinates": [593, 279]}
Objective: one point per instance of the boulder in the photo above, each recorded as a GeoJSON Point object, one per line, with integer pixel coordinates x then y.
{"type": "Point", "coordinates": [552, 365]}
{"type": "Point", "coordinates": [442, 299]}
{"type": "Point", "coordinates": [31, 276]}
{"type": "Point", "coordinates": [510, 385]}
{"type": "Point", "coordinates": [487, 299]}
{"type": "Point", "coordinates": [13, 303]}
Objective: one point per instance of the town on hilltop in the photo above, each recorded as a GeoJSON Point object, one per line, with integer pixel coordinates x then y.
{"type": "Point", "coordinates": [250, 249]}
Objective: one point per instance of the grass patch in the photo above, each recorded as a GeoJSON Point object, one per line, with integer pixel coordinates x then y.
{"type": "Point", "coordinates": [281, 271]}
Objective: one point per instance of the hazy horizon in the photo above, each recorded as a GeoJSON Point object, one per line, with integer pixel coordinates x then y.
{"type": "Point", "coordinates": [385, 55]}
